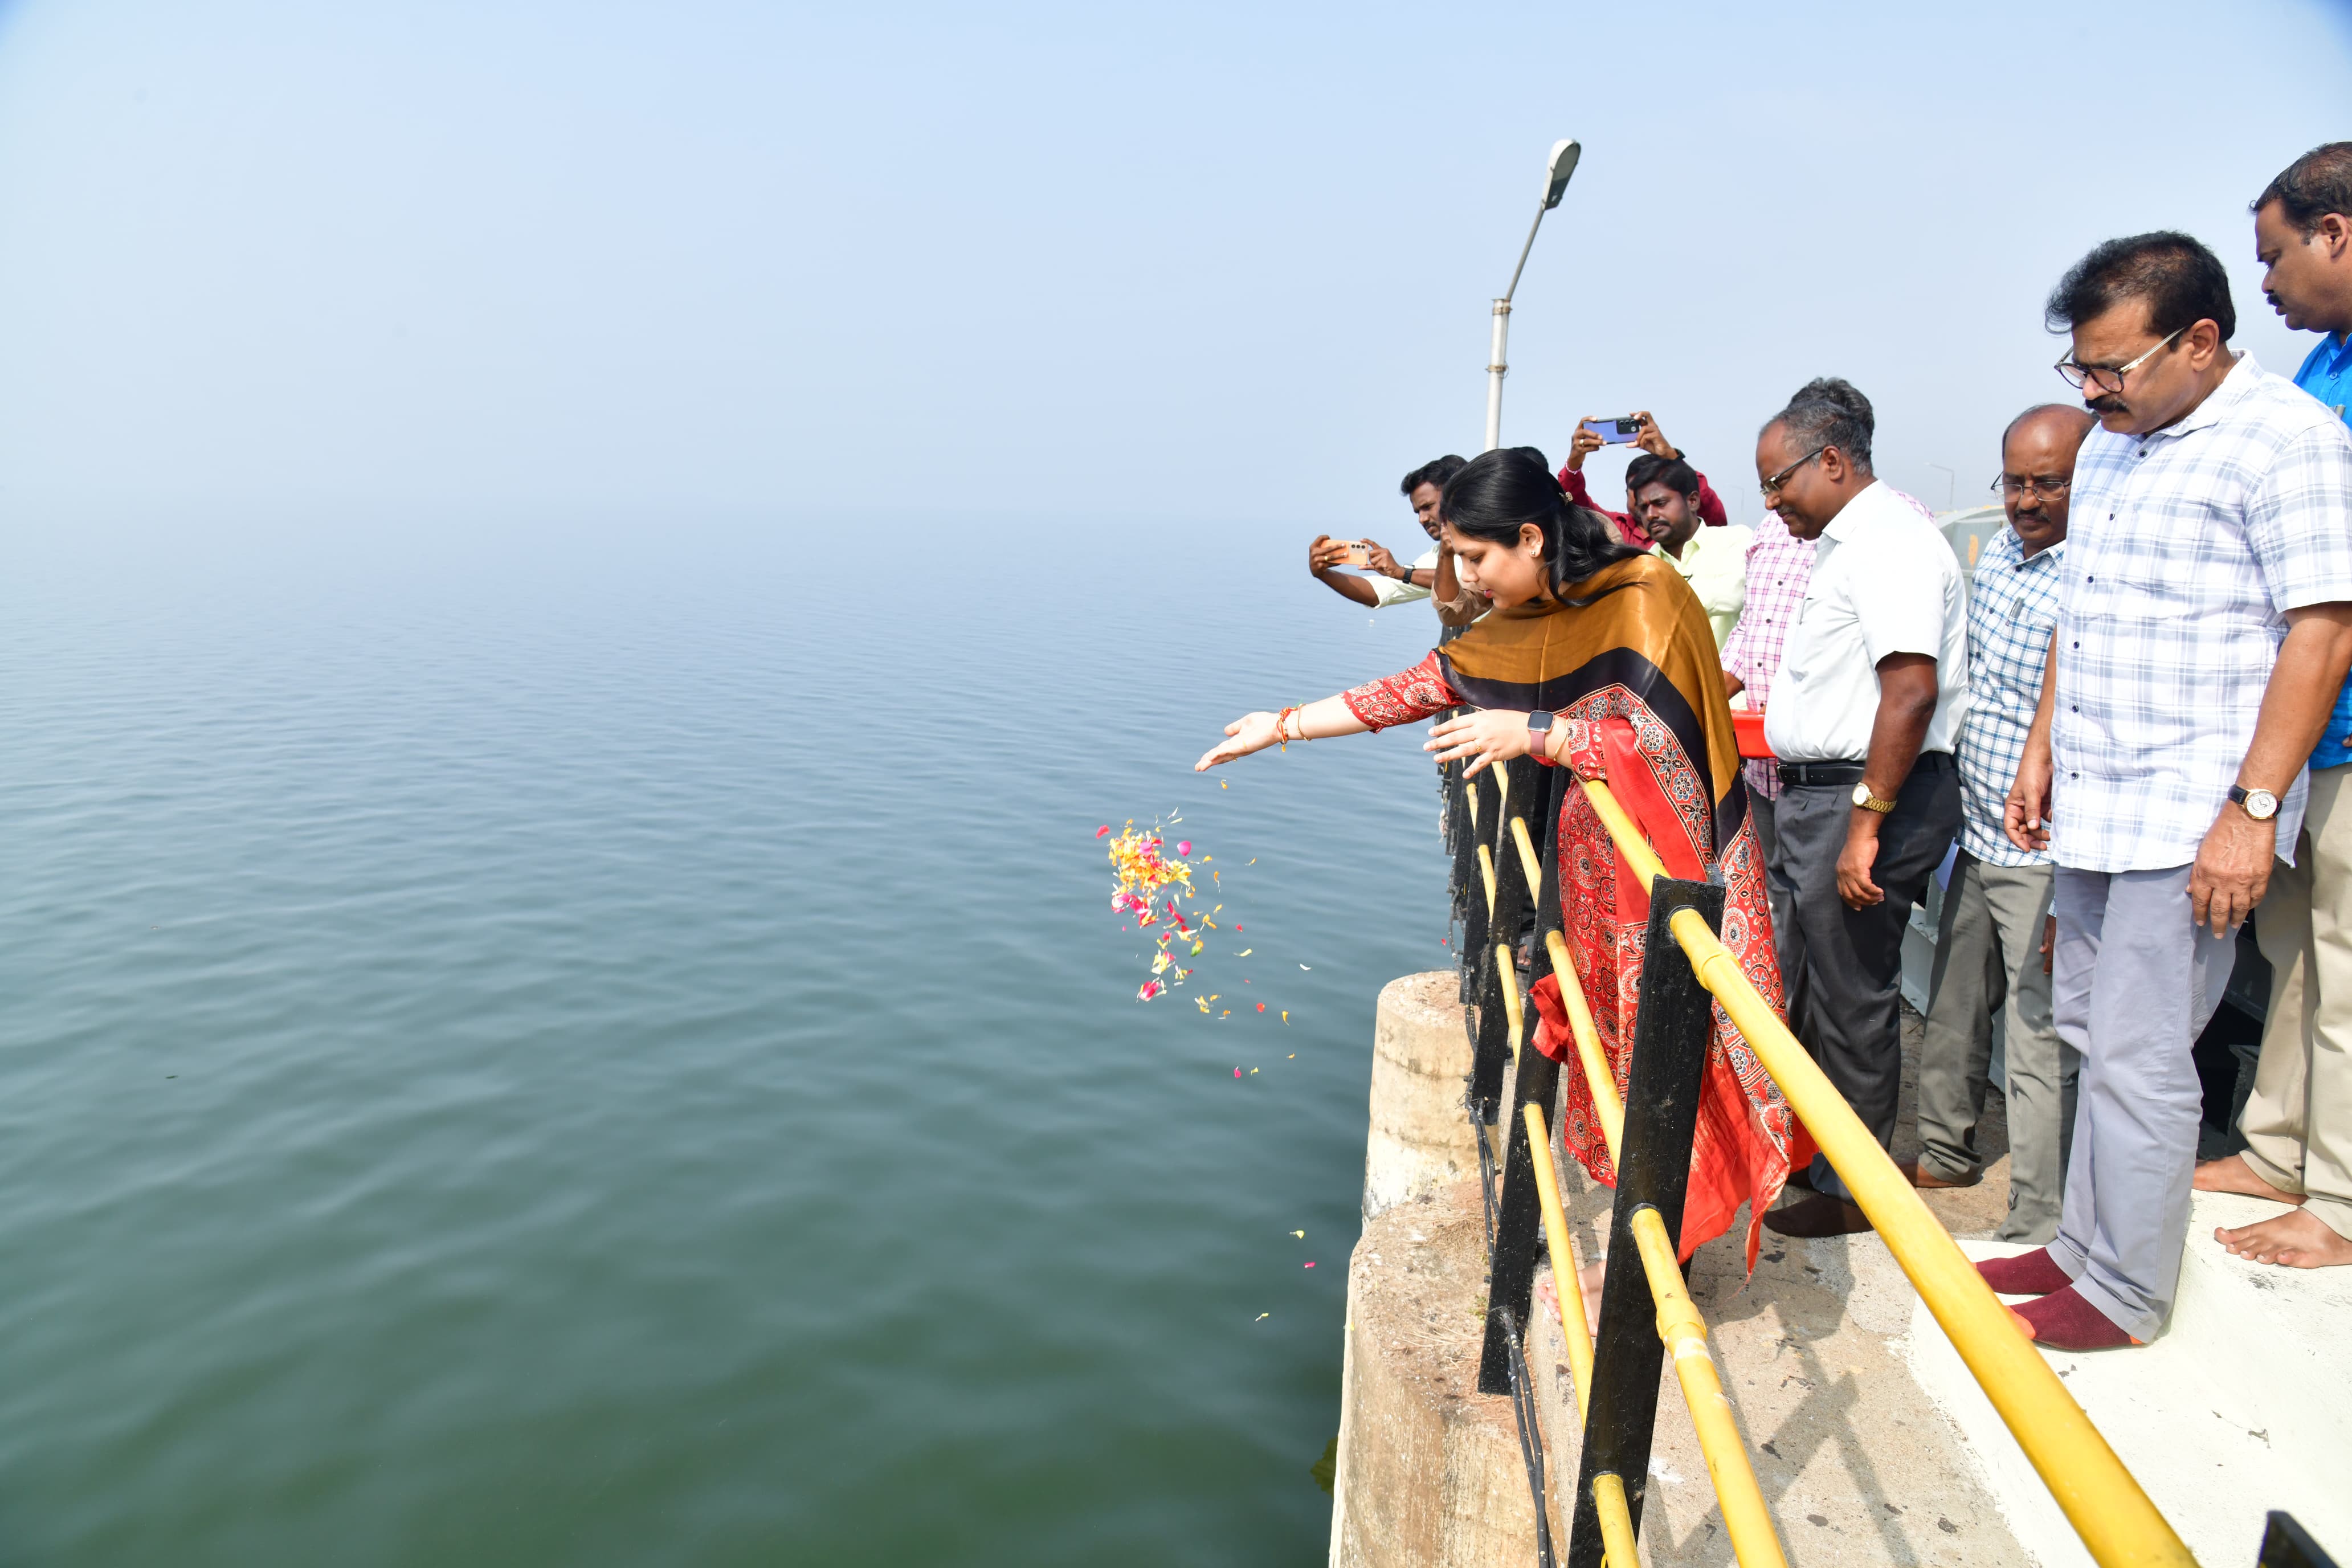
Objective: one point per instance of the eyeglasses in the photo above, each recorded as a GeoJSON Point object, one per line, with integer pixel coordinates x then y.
{"type": "Point", "coordinates": [2108, 379]}
{"type": "Point", "coordinates": [2010, 484]}
{"type": "Point", "coordinates": [1772, 486]}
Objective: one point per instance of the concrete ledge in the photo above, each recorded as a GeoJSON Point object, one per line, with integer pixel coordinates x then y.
{"type": "Point", "coordinates": [2242, 1405]}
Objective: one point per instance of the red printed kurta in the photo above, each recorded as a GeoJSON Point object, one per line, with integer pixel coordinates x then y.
{"type": "Point", "coordinates": [1633, 672]}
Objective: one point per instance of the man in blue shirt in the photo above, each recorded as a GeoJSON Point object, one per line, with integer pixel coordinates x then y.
{"type": "Point", "coordinates": [2298, 1120]}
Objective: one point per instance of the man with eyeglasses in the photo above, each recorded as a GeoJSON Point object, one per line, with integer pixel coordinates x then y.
{"type": "Point", "coordinates": [2298, 1120]}
{"type": "Point", "coordinates": [2204, 629]}
{"type": "Point", "coordinates": [1863, 717]}
{"type": "Point", "coordinates": [1992, 946]}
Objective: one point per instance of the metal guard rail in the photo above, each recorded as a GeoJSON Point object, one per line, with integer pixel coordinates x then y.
{"type": "Point", "coordinates": [2118, 1522]}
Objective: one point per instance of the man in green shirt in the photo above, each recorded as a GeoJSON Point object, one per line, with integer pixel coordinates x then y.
{"type": "Point", "coordinates": [1713, 560]}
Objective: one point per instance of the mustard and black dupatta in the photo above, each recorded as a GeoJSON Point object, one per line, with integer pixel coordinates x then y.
{"type": "Point", "coordinates": [1639, 629]}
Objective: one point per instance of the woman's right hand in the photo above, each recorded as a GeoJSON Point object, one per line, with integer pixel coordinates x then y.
{"type": "Point", "coordinates": [1250, 733]}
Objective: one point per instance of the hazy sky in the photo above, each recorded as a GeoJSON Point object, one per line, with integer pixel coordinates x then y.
{"type": "Point", "coordinates": [324, 261]}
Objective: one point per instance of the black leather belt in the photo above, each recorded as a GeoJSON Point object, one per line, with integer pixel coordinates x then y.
{"type": "Point", "coordinates": [1850, 774]}
{"type": "Point", "coordinates": [1794, 774]}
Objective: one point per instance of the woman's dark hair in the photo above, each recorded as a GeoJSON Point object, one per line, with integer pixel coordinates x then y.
{"type": "Point", "coordinates": [1498, 492]}
{"type": "Point", "coordinates": [2182, 282]}
{"type": "Point", "coordinates": [1436, 471]}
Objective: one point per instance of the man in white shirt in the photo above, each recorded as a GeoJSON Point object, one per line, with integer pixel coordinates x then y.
{"type": "Point", "coordinates": [2204, 629]}
{"type": "Point", "coordinates": [1713, 560]}
{"type": "Point", "coordinates": [1865, 714]}
{"type": "Point", "coordinates": [1385, 581]}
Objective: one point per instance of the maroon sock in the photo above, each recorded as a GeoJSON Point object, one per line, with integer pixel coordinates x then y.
{"type": "Point", "coordinates": [2064, 1320]}
{"type": "Point", "coordinates": [2034, 1273]}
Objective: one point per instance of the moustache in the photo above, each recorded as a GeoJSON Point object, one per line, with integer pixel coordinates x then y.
{"type": "Point", "coordinates": [2108, 404]}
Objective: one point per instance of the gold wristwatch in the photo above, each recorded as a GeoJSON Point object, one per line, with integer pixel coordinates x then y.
{"type": "Point", "coordinates": [1869, 802]}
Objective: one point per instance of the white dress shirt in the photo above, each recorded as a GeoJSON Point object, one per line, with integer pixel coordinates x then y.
{"type": "Point", "coordinates": [2184, 549]}
{"type": "Point", "coordinates": [1387, 591]}
{"type": "Point", "coordinates": [1884, 581]}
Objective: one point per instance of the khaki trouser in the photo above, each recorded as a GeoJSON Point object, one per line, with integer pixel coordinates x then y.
{"type": "Point", "coordinates": [2298, 1120]}
{"type": "Point", "coordinates": [1989, 959]}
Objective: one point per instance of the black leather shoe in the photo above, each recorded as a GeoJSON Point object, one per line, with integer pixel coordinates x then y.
{"type": "Point", "coordinates": [1820, 1214]}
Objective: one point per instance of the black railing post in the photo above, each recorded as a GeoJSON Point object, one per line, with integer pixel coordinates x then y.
{"type": "Point", "coordinates": [2286, 1544]}
{"type": "Point", "coordinates": [1470, 889]}
{"type": "Point", "coordinates": [1672, 1028]}
{"type": "Point", "coordinates": [1511, 1267]}
{"type": "Point", "coordinates": [1513, 899]}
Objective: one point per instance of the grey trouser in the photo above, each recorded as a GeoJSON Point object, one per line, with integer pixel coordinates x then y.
{"type": "Point", "coordinates": [2298, 1120]}
{"type": "Point", "coordinates": [1989, 959]}
{"type": "Point", "coordinates": [1787, 947]}
{"type": "Point", "coordinates": [1852, 959]}
{"type": "Point", "coordinates": [2137, 982]}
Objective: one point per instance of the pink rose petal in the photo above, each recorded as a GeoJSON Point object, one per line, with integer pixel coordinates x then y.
{"type": "Point", "coordinates": [1185, 847]}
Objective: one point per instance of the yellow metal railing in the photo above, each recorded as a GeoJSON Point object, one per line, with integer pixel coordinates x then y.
{"type": "Point", "coordinates": [1681, 1330]}
{"type": "Point", "coordinates": [1745, 1518]}
{"type": "Point", "coordinates": [2119, 1525]}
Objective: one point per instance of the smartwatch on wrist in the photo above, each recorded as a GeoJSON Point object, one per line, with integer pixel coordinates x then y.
{"type": "Point", "coordinates": [1539, 725]}
{"type": "Point", "coordinates": [2258, 804]}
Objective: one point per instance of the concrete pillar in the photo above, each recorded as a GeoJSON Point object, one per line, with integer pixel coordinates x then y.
{"type": "Point", "coordinates": [1419, 1142]}
{"type": "Point", "coordinates": [1430, 1474]}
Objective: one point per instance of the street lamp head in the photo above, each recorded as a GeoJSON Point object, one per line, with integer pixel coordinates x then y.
{"type": "Point", "coordinates": [1558, 168]}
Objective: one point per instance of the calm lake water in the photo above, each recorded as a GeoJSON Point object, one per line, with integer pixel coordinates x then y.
{"type": "Point", "coordinates": [608, 1044]}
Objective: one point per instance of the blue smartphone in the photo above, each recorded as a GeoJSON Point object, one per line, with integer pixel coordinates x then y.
{"type": "Point", "coordinates": [1616, 432]}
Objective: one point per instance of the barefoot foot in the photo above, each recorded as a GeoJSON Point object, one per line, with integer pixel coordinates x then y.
{"type": "Point", "coordinates": [2230, 1173]}
{"type": "Point", "coordinates": [2298, 1240]}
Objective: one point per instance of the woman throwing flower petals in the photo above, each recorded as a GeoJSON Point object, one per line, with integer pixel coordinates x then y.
{"type": "Point", "coordinates": [1613, 645]}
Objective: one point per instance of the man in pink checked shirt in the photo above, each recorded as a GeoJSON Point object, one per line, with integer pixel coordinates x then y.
{"type": "Point", "coordinates": [1780, 565]}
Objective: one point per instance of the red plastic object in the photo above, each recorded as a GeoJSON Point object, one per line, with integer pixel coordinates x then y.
{"type": "Point", "coordinates": [1748, 725]}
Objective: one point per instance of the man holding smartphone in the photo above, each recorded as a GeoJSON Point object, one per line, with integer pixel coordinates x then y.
{"type": "Point", "coordinates": [1592, 433]}
{"type": "Point", "coordinates": [1390, 581]}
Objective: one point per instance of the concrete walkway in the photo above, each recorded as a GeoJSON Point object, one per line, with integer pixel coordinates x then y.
{"type": "Point", "coordinates": [1870, 1442]}
{"type": "Point", "coordinates": [1859, 1466]}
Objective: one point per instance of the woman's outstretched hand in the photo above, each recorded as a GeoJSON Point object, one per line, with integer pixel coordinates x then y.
{"type": "Point", "coordinates": [1489, 735]}
{"type": "Point", "coordinates": [1250, 733]}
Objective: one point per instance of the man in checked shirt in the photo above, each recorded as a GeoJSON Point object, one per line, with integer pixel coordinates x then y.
{"type": "Point", "coordinates": [1990, 951]}
{"type": "Point", "coordinates": [2204, 629]}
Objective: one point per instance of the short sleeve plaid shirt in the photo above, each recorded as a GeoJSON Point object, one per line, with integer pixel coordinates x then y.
{"type": "Point", "coordinates": [1779, 565]}
{"type": "Point", "coordinates": [2185, 547]}
{"type": "Point", "coordinates": [2012, 607]}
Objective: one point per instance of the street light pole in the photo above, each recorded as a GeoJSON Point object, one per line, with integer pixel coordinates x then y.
{"type": "Point", "coordinates": [1556, 169]}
